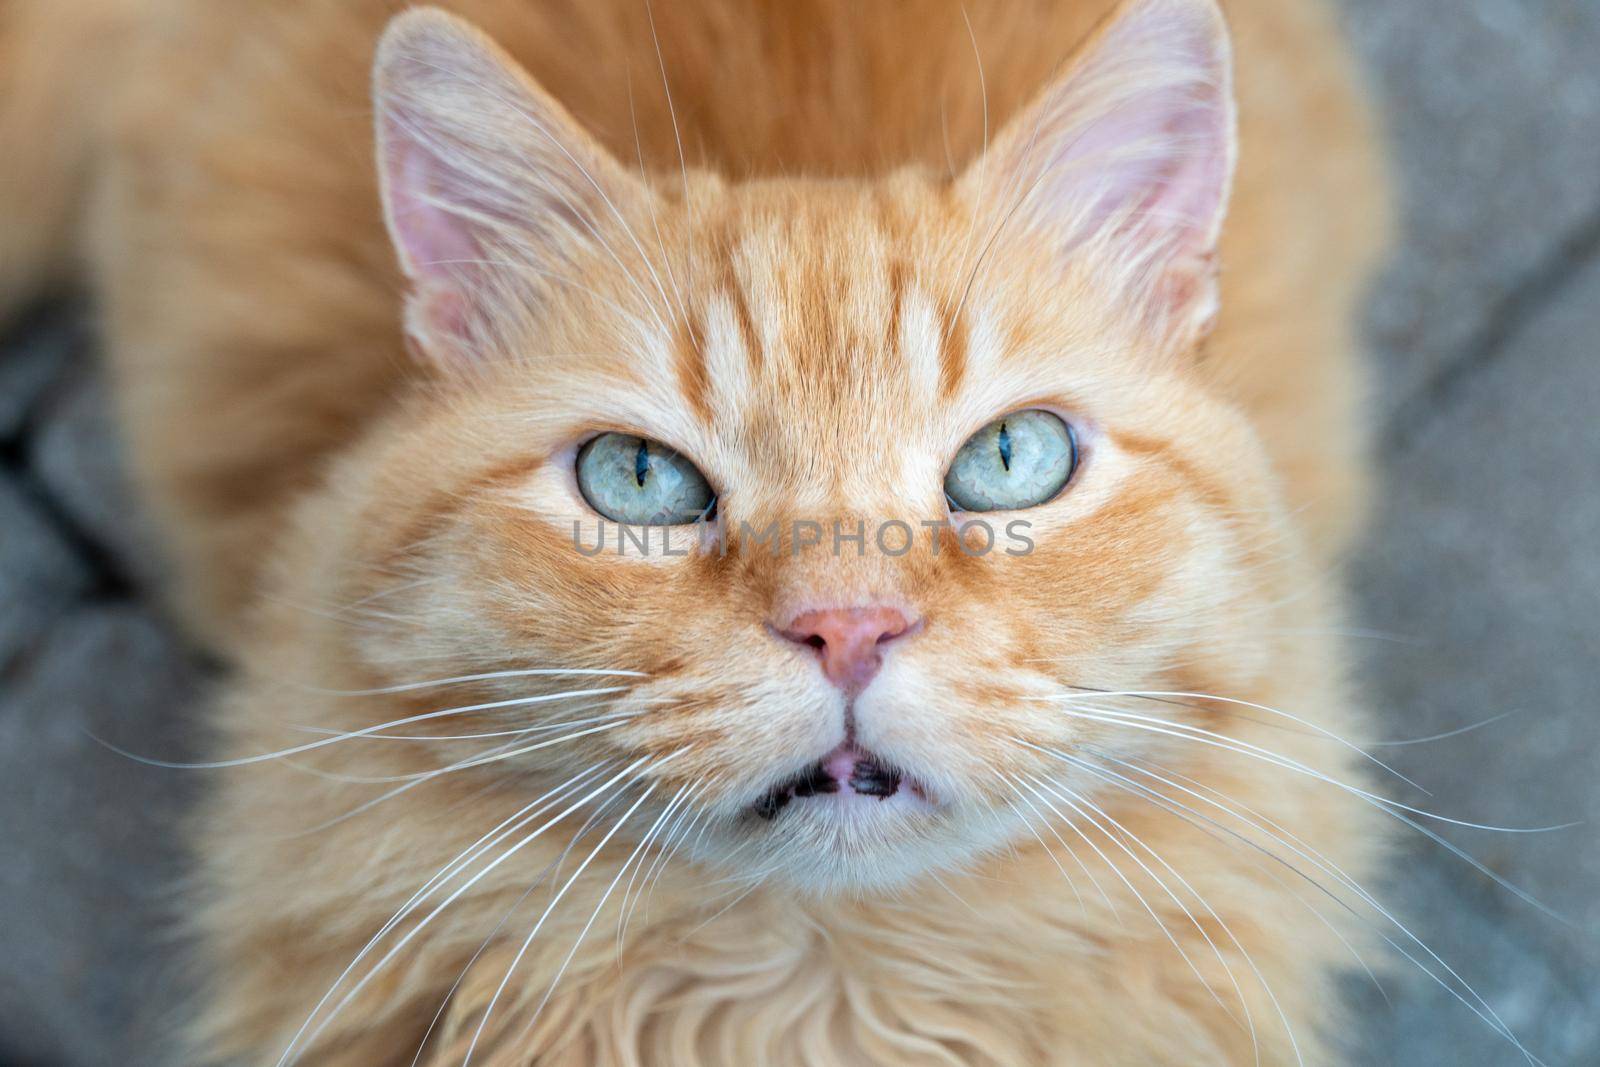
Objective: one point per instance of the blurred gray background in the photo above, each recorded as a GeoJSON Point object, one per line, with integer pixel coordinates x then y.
{"type": "Point", "coordinates": [1477, 593]}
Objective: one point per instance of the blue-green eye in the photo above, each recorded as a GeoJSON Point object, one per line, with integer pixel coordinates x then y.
{"type": "Point", "coordinates": [1020, 461]}
{"type": "Point", "coordinates": [641, 482]}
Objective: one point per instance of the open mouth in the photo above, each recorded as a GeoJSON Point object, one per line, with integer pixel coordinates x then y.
{"type": "Point", "coordinates": [849, 773]}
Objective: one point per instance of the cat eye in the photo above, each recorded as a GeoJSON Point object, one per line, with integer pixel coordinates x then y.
{"type": "Point", "coordinates": [1019, 461]}
{"type": "Point", "coordinates": [641, 482]}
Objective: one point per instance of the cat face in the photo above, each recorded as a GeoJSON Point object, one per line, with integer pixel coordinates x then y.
{"type": "Point", "coordinates": [838, 668]}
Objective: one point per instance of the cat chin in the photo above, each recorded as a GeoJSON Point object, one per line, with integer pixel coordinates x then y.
{"type": "Point", "coordinates": [831, 846]}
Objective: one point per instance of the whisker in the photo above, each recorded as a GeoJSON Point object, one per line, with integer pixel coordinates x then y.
{"type": "Point", "coordinates": [677, 809]}
{"type": "Point", "coordinates": [1321, 731]}
{"type": "Point", "coordinates": [1313, 856]}
{"type": "Point", "coordinates": [655, 215]}
{"type": "Point", "coordinates": [1049, 852]}
{"type": "Point", "coordinates": [425, 777]}
{"type": "Point", "coordinates": [520, 731]}
{"type": "Point", "coordinates": [1283, 836]}
{"type": "Point", "coordinates": [367, 806]}
{"type": "Point", "coordinates": [364, 732]}
{"type": "Point", "coordinates": [489, 676]}
{"type": "Point", "coordinates": [957, 897]}
{"type": "Point", "coordinates": [1198, 734]}
{"type": "Point", "coordinates": [983, 155]}
{"type": "Point", "coordinates": [1457, 732]}
{"type": "Point", "coordinates": [562, 892]}
{"type": "Point", "coordinates": [466, 969]}
{"type": "Point", "coordinates": [1166, 932]}
{"type": "Point", "coordinates": [644, 843]}
{"type": "Point", "coordinates": [658, 869]}
{"type": "Point", "coordinates": [1377, 802]}
{"type": "Point", "coordinates": [755, 883]}
{"type": "Point", "coordinates": [510, 750]}
{"type": "Point", "coordinates": [357, 779]}
{"type": "Point", "coordinates": [427, 891]}
{"type": "Point", "coordinates": [1184, 882]}
{"type": "Point", "coordinates": [666, 88]}
{"type": "Point", "coordinates": [1234, 839]}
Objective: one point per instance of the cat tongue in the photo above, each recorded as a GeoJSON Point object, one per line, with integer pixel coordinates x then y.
{"type": "Point", "coordinates": [840, 764]}
{"type": "Point", "coordinates": [857, 772]}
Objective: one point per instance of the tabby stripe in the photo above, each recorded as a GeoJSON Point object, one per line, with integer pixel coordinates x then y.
{"type": "Point", "coordinates": [952, 351]}
{"type": "Point", "coordinates": [689, 360]}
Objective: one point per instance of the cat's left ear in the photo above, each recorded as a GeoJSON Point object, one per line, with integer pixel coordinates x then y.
{"type": "Point", "coordinates": [1129, 156]}
{"type": "Point", "coordinates": [489, 186]}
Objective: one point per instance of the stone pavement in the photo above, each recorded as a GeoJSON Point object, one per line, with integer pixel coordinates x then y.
{"type": "Point", "coordinates": [1477, 594]}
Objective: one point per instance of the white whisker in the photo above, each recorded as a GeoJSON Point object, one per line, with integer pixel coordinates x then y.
{"type": "Point", "coordinates": [1198, 734]}
{"type": "Point", "coordinates": [521, 731]}
{"type": "Point", "coordinates": [1184, 882]}
{"type": "Point", "coordinates": [424, 893]}
{"type": "Point", "coordinates": [364, 732]}
{"type": "Point", "coordinates": [1234, 839]}
{"type": "Point", "coordinates": [497, 753]}
{"type": "Point", "coordinates": [489, 676]}
{"type": "Point", "coordinates": [1049, 852]}
{"type": "Point", "coordinates": [1071, 824]}
{"type": "Point", "coordinates": [537, 926]}
{"type": "Point", "coordinates": [639, 850]}
{"type": "Point", "coordinates": [1481, 1008]}
{"type": "Point", "coordinates": [1313, 727]}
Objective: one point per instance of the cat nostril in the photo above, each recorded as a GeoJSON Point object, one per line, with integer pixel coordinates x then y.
{"type": "Point", "coordinates": [848, 640]}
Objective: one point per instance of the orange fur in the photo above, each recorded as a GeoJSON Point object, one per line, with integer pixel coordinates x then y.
{"type": "Point", "coordinates": [801, 308]}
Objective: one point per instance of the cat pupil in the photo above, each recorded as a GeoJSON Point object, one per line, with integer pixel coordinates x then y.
{"type": "Point", "coordinates": [1005, 447]}
{"type": "Point", "coordinates": [641, 463]}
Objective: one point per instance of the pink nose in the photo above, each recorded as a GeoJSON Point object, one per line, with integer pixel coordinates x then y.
{"type": "Point", "coordinates": [849, 640]}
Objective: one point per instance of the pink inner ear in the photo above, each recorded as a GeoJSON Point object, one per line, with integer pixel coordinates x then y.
{"type": "Point", "coordinates": [1141, 136]}
{"type": "Point", "coordinates": [1165, 162]}
{"type": "Point", "coordinates": [434, 244]}
{"type": "Point", "coordinates": [440, 311]}
{"type": "Point", "coordinates": [436, 247]}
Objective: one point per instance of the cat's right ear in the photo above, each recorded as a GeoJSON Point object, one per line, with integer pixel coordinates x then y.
{"type": "Point", "coordinates": [1130, 153]}
{"type": "Point", "coordinates": [488, 185]}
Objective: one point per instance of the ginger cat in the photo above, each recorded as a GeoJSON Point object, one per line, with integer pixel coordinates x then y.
{"type": "Point", "coordinates": [398, 317]}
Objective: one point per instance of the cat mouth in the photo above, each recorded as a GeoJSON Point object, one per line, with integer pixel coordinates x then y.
{"type": "Point", "coordinates": [850, 775]}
